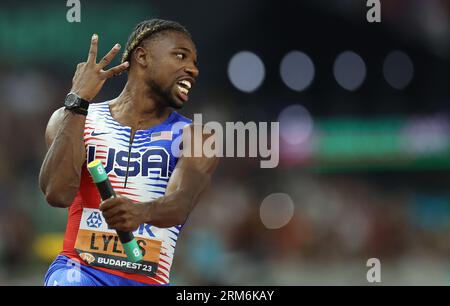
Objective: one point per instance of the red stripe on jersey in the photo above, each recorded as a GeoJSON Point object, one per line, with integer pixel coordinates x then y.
{"type": "Point", "coordinates": [92, 138]}
{"type": "Point", "coordinates": [127, 193]}
{"type": "Point", "coordinates": [163, 268]}
{"type": "Point", "coordinates": [164, 261]}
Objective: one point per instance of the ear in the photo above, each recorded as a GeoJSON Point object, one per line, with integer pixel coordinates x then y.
{"type": "Point", "coordinates": [141, 56]}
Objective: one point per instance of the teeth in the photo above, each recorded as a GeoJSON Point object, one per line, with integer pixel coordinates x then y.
{"type": "Point", "coordinates": [183, 90]}
{"type": "Point", "coordinates": [186, 83]}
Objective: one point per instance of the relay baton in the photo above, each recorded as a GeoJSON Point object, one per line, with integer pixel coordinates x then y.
{"type": "Point", "coordinates": [106, 191]}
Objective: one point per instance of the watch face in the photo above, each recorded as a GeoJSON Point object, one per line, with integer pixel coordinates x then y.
{"type": "Point", "coordinates": [71, 100]}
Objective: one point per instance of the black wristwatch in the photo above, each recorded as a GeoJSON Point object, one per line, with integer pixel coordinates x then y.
{"type": "Point", "coordinates": [74, 103]}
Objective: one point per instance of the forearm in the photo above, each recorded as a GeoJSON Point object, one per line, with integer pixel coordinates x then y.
{"type": "Point", "coordinates": [61, 170]}
{"type": "Point", "coordinates": [181, 197]}
{"type": "Point", "coordinates": [168, 211]}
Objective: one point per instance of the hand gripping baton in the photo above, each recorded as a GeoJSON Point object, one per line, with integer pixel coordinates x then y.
{"type": "Point", "coordinates": [106, 191]}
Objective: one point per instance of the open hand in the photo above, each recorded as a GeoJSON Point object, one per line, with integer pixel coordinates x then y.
{"type": "Point", "coordinates": [90, 76]}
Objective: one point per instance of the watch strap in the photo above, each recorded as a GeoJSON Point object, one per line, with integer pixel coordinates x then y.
{"type": "Point", "coordinates": [79, 110]}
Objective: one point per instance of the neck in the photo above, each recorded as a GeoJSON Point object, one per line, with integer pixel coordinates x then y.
{"type": "Point", "coordinates": [135, 107]}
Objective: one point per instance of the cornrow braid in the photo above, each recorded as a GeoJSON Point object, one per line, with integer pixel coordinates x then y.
{"type": "Point", "coordinates": [146, 29]}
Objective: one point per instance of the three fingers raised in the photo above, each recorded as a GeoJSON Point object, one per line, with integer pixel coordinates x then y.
{"type": "Point", "coordinates": [106, 60]}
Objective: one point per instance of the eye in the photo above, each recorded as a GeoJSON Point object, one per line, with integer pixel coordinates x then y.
{"type": "Point", "coordinates": [180, 55]}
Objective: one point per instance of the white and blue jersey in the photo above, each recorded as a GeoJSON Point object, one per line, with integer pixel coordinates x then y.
{"type": "Point", "coordinates": [140, 170]}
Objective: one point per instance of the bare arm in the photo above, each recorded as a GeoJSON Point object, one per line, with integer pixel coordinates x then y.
{"type": "Point", "coordinates": [60, 174]}
{"type": "Point", "coordinates": [189, 180]}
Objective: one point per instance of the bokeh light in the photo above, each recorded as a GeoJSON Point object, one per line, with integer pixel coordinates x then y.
{"type": "Point", "coordinates": [297, 70]}
{"type": "Point", "coordinates": [349, 70]}
{"type": "Point", "coordinates": [246, 71]}
{"type": "Point", "coordinates": [398, 69]}
{"type": "Point", "coordinates": [296, 124]}
{"type": "Point", "coordinates": [276, 210]}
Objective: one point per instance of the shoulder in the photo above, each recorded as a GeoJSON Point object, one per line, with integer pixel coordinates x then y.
{"type": "Point", "coordinates": [53, 124]}
{"type": "Point", "coordinates": [177, 124]}
{"type": "Point", "coordinates": [56, 117]}
{"type": "Point", "coordinates": [180, 118]}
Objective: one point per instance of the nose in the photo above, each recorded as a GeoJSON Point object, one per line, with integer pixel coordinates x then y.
{"type": "Point", "coordinates": [192, 71]}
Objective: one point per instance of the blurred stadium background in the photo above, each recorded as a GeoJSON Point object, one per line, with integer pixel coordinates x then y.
{"type": "Point", "coordinates": [364, 123]}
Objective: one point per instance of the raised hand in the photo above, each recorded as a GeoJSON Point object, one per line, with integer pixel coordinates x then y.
{"type": "Point", "coordinates": [90, 75]}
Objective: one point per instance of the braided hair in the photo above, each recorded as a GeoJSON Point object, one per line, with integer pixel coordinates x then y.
{"type": "Point", "coordinates": [149, 29]}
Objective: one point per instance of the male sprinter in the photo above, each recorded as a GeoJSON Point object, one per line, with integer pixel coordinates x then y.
{"type": "Point", "coordinates": [132, 136]}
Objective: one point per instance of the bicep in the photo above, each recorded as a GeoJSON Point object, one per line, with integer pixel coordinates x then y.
{"type": "Point", "coordinates": [191, 175]}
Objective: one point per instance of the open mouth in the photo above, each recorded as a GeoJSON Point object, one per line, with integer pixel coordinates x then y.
{"type": "Point", "coordinates": [183, 87]}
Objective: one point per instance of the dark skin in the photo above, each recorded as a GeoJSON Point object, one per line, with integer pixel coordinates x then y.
{"type": "Point", "coordinates": [147, 100]}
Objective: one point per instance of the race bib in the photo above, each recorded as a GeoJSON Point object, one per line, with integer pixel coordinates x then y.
{"type": "Point", "coordinates": [99, 246]}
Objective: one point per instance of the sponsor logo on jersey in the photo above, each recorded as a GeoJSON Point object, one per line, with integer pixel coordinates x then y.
{"type": "Point", "coordinates": [94, 220]}
{"type": "Point", "coordinates": [87, 257]}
